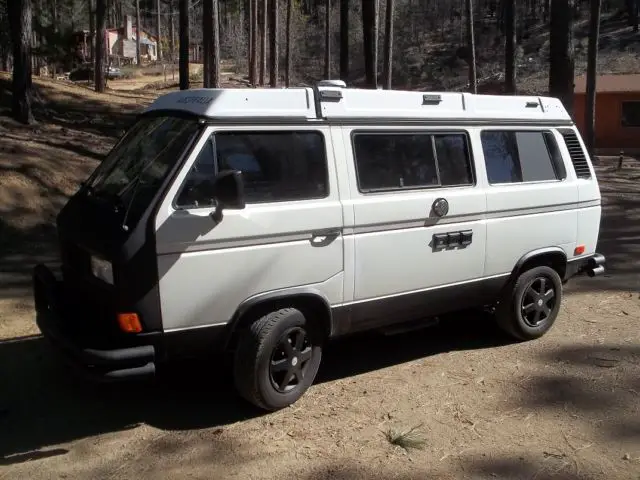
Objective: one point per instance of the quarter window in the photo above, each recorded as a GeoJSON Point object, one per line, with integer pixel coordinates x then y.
{"type": "Point", "coordinates": [521, 156]}
{"type": "Point", "coordinates": [276, 166]}
{"type": "Point", "coordinates": [392, 161]}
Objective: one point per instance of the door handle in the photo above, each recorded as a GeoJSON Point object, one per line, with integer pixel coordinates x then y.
{"type": "Point", "coordinates": [323, 238]}
{"type": "Point", "coordinates": [332, 232]}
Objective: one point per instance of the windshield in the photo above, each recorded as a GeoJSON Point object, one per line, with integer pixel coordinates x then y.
{"type": "Point", "coordinates": [134, 170]}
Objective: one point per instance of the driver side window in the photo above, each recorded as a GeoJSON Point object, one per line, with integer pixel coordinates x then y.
{"type": "Point", "coordinates": [276, 166]}
{"type": "Point", "coordinates": [196, 190]}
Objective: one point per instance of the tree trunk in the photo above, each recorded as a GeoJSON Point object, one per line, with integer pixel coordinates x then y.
{"type": "Point", "coordinates": [327, 40]}
{"type": "Point", "coordinates": [545, 10]}
{"type": "Point", "coordinates": [632, 11]}
{"type": "Point", "coordinates": [207, 32]}
{"type": "Point", "coordinates": [183, 33]}
{"type": "Point", "coordinates": [20, 25]}
{"type": "Point", "coordinates": [471, 45]}
{"type": "Point", "coordinates": [561, 65]}
{"type": "Point", "coordinates": [138, 61]}
{"type": "Point", "coordinates": [510, 48]}
{"type": "Point", "coordinates": [263, 40]}
{"type": "Point", "coordinates": [251, 50]}
{"type": "Point", "coordinates": [172, 33]}
{"type": "Point", "coordinates": [369, 14]}
{"type": "Point", "coordinates": [388, 45]}
{"type": "Point", "coordinates": [98, 74]}
{"type": "Point", "coordinates": [592, 72]}
{"type": "Point", "coordinates": [344, 40]}
{"type": "Point", "coordinates": [256, 43]}
{"type": "Point", "coordinates": [275, 57]}
{"type": "Point", "coordinates": [92, 31]}
{"type": "Point", "coordinates": [4, 58]}
{"type": "Point", "coordinates": [215, 46]}
{"type": "Point", "coordinates": [376, 38]}
{"type": "Point", "coordinates": [54, 16]}
{"type": "Point", "coordinates": [287, 74]}
{"type": "Point", "coordinates": [158, 31]}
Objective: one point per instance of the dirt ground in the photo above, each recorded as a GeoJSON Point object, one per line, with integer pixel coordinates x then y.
{"type": "Point", "coordinates": [566, 406]}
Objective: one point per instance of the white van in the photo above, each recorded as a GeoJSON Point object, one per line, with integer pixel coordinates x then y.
{"type": "Point", "coordinates": [264, 222]}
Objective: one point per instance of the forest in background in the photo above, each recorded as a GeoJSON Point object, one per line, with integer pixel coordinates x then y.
{"type": "Point", "coordinates": [498, 46]}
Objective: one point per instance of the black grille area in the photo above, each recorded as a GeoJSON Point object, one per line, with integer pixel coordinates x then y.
{"type": "Point", "coordinates": [578, 158]}
{"type": "Point", "coordinates": [75, 258]}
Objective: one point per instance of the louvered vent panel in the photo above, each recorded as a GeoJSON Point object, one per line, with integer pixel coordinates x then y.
{"type": "Point", "coordinates": [578, 157]}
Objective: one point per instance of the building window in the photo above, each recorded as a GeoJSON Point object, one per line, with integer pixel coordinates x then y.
{"type": "Point", "coordinates": [276, 166]}
{"type": "Point", "coordinates": [409, 160]}
{"type": "Point", "coordinates": [521, 156]}
{"type": "Point", "coordinates": [631, 114]}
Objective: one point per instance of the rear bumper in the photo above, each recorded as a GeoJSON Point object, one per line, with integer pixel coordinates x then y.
{"type": "Point", "coordinates": [104, 365]}
{"type": "Point", "coordinates": [592, 265]}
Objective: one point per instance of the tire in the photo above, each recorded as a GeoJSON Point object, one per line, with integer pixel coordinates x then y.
{"type": "Point", "coordinates": [263, 363]}
{"type": "Point", "coordinates": [525, 313]}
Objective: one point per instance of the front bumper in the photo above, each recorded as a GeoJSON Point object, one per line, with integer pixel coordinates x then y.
{"type": "Point", "coordinates": [592, 265]}
{"type": "Point", "coordinates": [106, 365]}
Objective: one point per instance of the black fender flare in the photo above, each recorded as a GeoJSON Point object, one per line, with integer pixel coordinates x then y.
{"type": "Point", "coordinates": [273, 296]}
{"type": "Point", "coordinates": [539, 252]}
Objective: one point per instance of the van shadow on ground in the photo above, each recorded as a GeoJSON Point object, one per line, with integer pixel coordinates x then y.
{"type": "Point", "coordinates": [42, 404]}
{"type": "Point", "coordinates": [45, 407]}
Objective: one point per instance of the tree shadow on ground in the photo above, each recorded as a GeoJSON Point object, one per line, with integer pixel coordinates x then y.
{"type": "Point", "coordinates": [601, 382]}
{"type": "Point", "coordinates": [74, 110]}
{"type": "Point", "coordinates": [47, 406]}
{"type": "Point", "coordinates": [485, 469]}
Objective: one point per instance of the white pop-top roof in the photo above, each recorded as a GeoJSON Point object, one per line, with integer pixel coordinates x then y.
{"type": "Point", "coordinates": [339, 103]}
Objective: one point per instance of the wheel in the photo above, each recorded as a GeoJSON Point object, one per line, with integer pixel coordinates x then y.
{"type": "Point", "coordinates": [276, 360]}
{"type": "Point", "coordinates": [530, 308]}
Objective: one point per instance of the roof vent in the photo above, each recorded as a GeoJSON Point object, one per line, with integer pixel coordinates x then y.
{"type": "Point", "coordinates": [332, 83]}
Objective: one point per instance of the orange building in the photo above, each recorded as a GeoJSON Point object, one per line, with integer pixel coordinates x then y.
{"type": "Point", "coordinates": [617, 112]}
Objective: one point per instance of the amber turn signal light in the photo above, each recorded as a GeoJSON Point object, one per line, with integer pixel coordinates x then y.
{"type": "Point", "coordinates": [579, 250]}
{"type": "Point", "coordinates": [129, 322]}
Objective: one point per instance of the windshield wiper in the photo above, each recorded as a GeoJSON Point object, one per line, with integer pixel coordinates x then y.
{"type": "Point", "coordinates": [112, 198]}
{"type": "Point", "coordinates": [133, 186]}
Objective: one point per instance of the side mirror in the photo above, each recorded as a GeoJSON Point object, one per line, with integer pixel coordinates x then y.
{"type": "Point", "coordinates": [228, 190]}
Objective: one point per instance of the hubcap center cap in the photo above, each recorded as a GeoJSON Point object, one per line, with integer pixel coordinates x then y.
{"type": "Point", "coordinates": [294, 361]}
{"type": "Point", "coordinates": [540, 302]}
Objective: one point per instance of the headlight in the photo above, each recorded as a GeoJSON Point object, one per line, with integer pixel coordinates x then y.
{"type": "Point", "coordinates": [102, 269]}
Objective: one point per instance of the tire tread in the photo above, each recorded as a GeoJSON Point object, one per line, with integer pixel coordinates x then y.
{"type": "Point", "coordinates": [245, 365]}
{"type": "Point", "coordinates": [505, 310]}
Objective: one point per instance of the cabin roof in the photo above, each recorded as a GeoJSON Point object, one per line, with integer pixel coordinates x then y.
{"type": "Point", "coordinates": [331, 100]}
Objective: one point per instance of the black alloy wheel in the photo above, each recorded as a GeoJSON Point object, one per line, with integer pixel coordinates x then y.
{"type": "Point", "coordinates": [290, 360]}
{"type": "Point", "coordinates": [530, 307]}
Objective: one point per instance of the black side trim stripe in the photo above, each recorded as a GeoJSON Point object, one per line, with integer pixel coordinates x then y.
{"type": "Point", "coordinates": [218, 244]}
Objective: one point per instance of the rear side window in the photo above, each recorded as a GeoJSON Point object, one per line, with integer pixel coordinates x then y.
{"type": "Point", "coordinates": [521, 156]}
{"type": "Point", "coordinates": [405, 160]}
{"type": "Point", "coordinates": [276, 166]}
